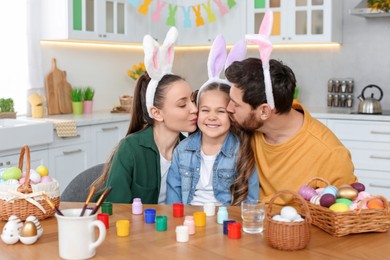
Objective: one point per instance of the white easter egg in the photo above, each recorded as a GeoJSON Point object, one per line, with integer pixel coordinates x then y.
{"type": "Point", "coordinates": [298, 219]}
{"type": "Point", "coordinates": [10, 233]}
{"type": "Point", "coordinates": [289, 213]}
{"type": "Point", "coordinates": [12, 182]}
{"type": "Point", "coordinates": [35, 177]}
{"type": "Point", "coordinates": [279, 218]}
{"type": "Point", "coordinates": [29, 240]}
{"type": "Point", "coordinates": [17, 220]}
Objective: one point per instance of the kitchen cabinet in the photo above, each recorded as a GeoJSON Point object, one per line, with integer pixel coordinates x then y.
{"type": "Point", "coordinates": [105, 137]}
{"type": "Point", "coordinates": [369, 144]}
{"type": "Point", "coordinates": [299, 21]}
{"type": "Point", "coordinates": [37, 157]}
{"type": "Point", "coordinates": [69, 156]}
{"type": "Point", "coordinates": [103, 20]}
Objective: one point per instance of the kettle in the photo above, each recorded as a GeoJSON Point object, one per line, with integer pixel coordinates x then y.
{"type": "Point", "coordinates": [370, 105]}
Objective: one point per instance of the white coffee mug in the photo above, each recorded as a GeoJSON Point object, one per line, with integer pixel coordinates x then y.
{"type": "Point", "coordinates": [76, 235]}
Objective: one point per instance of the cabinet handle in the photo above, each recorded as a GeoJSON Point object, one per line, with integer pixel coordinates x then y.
{"type": "Point", "coordinates": [379, 186]}
{"type": "Point", "coordinates": [70, 137]}
{"type": "Point", "coordinates": [109, 128]}
{"type": "Point", "coordinates": [379, 157]}
{"type": "Point", "coordinates": [380, 133]}
{"type": "Point", "coordinates": [1, 164]}
{"type": "Point", "coordinates": [71, 152]}
{"type": "Point", "coordinates": [7, 163]}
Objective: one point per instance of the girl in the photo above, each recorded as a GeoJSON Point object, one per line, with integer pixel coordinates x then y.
{"type": "Point", "coordinates": [162, 109]}
{"type": "Point", "coordinates": [204, 164]}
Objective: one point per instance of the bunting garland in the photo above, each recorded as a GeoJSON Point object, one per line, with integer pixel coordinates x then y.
{"type": "Point", "coordinates": [195, 12]}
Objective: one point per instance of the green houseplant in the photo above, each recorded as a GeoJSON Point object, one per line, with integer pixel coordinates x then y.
{"type": "Point", "coordinates": [77, 100]}
{"type": "Point", "coordinates": [7, 108]}
{"type": "Point", "coordinates": [88, 94]}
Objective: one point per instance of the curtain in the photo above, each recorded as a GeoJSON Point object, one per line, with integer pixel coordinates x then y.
{"type": "Point", "coordinates": [20, 52]}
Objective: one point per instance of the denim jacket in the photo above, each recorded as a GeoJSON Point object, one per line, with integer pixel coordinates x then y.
{"type": "Point", "coordinates": [183, 175]}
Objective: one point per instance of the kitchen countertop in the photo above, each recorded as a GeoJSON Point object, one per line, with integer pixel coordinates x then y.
{"type": "Point", "coordinates": [334, 113]}
{"type": "Point", "coordinates": [99, 117]}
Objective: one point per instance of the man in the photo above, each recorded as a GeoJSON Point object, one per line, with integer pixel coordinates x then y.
{"type": "Point", "coordinates": [288, 145]}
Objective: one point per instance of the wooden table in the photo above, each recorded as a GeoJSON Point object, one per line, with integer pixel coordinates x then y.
{"type": "Point", "coordinates": [209, 242]}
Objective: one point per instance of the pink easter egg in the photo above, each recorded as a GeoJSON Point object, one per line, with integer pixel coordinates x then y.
{"type": "Point", "coordinates": [307, 192]}
{"type": "Point", "coordinates": [362, 195]}
{"type": "Point", "coordinates": [319, 190]}
{"type": "Point", "coordinates": [46, 179]}
{"type": "Point", "coordinates": [22, 180]}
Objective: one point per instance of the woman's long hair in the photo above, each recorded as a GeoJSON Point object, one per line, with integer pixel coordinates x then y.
{"type": "Point", "coordinates": [245, 166]}
{"type": "Point", "coordinates": [139, 117]}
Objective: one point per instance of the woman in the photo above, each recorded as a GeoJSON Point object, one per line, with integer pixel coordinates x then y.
{"type": "Point", "coordinates": [139, 165]}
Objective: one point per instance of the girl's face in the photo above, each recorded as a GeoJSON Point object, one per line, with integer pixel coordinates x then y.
{"type": "Point", "coordinates": [179, 112]}
{"type": "Point", "coordinates": [213, 119]}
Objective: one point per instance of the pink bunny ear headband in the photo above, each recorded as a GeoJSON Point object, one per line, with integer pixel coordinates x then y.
{"type": "Point", "coordinates": [265, 48]}
{"type": "Point", "coordinates": [218, 60]}
{"type": "Point", "coordinates": [158, 62]}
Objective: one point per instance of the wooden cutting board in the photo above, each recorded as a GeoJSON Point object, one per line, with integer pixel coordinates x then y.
{"type": "Point", "coordinates": [58, 91]}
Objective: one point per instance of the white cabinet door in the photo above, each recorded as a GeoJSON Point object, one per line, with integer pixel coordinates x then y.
{"type": "Point", "coordinates": [112, 20]}
{"type": "Point", "coordinates": [103, 20]}
{"type": "Point", "coordinates": [37, 158]}
{"type": "Point", "coordinates": [300, 21]}
{"type": "Point", "coordinates": [67, 162]}
{"type": "Point", "coordinates": [105, 138]}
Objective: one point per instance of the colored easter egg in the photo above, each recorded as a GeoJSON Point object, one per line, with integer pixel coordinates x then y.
{"type": "Point", "coordinates": [306, 192]}
{"type": "Point", "coordinates": [22, 180]}
{"type": "Point", "coordinates": [339, 207]}
{"type": "Point", "coordinates": [348, 193]}
{"type": "Point", "coordinates": [12, 182]}
{"type": "Point", "coordinates": [362, 195]}
{"type": "Point", "coordinates": [37, 224]}
{"type": "Point", "coordinates": [319, 190]}
{"type": "Point", "coordinates": [46, 179]}
{"type": "Point", "coordinates": [327, 200]}
{"type": "Point", "coordinates": [12, 173]}
{"type": "Point", "coordinates": [347, 202]}
{"type": "Point", "coordinates": [316, 199]}
{"type": "Point", "coordinates": [358, 186]}
{"type": "Point", "coordinates": [375, 204]}
{"type": "Point", "coordinates": [331, 190]}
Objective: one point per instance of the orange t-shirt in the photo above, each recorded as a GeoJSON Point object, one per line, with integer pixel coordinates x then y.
{"type": "Point", "coordinates": [313, 152]}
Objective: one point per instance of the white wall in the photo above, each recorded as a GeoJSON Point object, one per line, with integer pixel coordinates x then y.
{"type": "Point", "coordinates": [364, 56]}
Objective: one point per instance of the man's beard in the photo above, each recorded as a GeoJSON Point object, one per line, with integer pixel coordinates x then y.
{"type": "Point", "coordinates": [250, 123]}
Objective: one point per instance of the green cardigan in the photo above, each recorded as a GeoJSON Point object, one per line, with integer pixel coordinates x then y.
{"type": "Point", "coordinates": [135, 169]}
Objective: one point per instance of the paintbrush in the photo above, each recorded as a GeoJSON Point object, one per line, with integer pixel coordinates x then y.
{"type": "Point", "coordinates": [101, 200]}
{"type": "Point", "coordinates": [92, 190]}
{"type": "Point", "coordinates": [51, 204]}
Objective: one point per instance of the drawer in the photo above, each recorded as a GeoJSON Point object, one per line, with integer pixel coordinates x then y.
{"type": "Point", "coordinates": [377, 183]}
{"type": "Point", "coordinates": [369, 156]}
{"type": "Point", "coordinates": [371, 131]}
{"type": "Point", "coordinates": [83, 135]}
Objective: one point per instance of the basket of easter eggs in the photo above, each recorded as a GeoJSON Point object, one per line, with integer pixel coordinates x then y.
{"type": "Point", "coordinates": [27, 196]}
{"type": "Point", "coordinates": [289, 230]}
{"type": "Point", "coordinates": [347, 209]}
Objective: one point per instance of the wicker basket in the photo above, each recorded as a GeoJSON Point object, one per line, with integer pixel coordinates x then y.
{"type": "Point", "coordinates": [350, 222]}
{"type": "Point", "coordinates": [288, 235]}
{"type": "Point", "coordinates": [26, 199]}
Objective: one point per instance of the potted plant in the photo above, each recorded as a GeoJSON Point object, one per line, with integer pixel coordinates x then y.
{"type": "Point", "coordinates": [77, 101]}
{"type": "Point", "coordinates": [88, 94]}
{"type": "Point", "coordinates": [7, 108]}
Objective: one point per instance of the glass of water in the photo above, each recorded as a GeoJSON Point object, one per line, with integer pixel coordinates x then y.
{"type": "Point", "coordinates": [252, 213]}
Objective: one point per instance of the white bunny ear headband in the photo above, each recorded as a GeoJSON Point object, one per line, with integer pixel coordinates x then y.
{"type": "Point", "coordinates": [218, 60]}
{"type": "Point", "coordinates": [265, 48]}
{"type": "Point", "coordinates": [158, 62]}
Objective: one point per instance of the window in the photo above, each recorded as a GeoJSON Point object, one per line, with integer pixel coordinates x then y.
{"type": "Point", "coordinates": [20, 51]}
